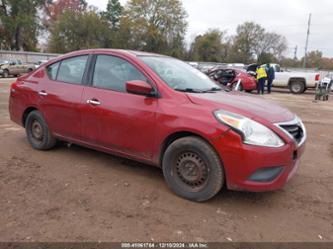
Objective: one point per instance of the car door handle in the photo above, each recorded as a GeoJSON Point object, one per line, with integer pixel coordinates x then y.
{"type": "Point", "coordinates": [42, 93]}
{"type": "Point", "coordinates": [93, 102]}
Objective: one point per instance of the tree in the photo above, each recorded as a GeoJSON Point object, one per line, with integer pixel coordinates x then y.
{"type": "Point", "coordinates": [314, 59]}
{"type": "Point", "coordinates": [252, 43]}
{"type": "Point", "coordinates": [289, 62]}
{"type": "Point", "coordinates": [270, 47]}
{"type": "Point", "coordinates": [154, 25]}
{"type": "Point", "coordinates": [52, 10]}
{"type": "Point", "coordinates": [208, 47]}
{"type": "Point", "coordinates": [79, 30]}
{"type": "Point", "coordinates": [247, 38]}
{"type": "Point", "coordinates": [113, 13]}
{"type": "Point", "coordinates": [19, 23]}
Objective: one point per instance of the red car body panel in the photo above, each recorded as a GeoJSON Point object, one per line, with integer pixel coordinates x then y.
{"type": "Point", "coordinates": [249, 82]}
{"type": "Point", "coordinates": [138, 127]}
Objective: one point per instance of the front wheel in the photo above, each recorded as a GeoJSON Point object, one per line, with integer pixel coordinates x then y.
{"type": "Point", "coordinates": [192, 169]}
{"type": "Point", "coordinates": [38, 133]}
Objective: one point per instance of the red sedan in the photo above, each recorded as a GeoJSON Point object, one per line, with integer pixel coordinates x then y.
{"type": "Point", "coordinates": [161, 111]}
{"type": "Point", "coordinates": [230, 77]}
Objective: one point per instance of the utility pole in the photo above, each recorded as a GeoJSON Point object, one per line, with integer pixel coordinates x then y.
{"type": "Point", "coordinates": [295, 53]}
{"type": "Point", "coordinates": [307, 41]}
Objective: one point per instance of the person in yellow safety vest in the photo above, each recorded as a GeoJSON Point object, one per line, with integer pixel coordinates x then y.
{"type": "Point", "coordinates": [261, 79]}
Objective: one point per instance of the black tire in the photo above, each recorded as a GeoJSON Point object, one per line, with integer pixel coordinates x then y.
{"type": "Point", "coordinates": [5, 73]}
{"type": "Point", "coordinates": [192, 169]}
{"type": "Point", "coordinates": [297, 87]}
{"type": "Point", "coordinates": [38, 133]}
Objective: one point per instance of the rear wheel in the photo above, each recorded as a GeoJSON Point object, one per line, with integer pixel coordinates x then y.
{"type": "Point", "coordinates": [38, 133]}
{"type": "Point", "coordinates": [5, 73]}
{"type": "Point", "coordinates": [192, 169]}
{"type": "Point", "coordinates": [297, 87]}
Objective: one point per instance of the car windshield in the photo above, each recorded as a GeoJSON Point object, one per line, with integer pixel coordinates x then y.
{"type": "Point", "coordinates": [179, 75]}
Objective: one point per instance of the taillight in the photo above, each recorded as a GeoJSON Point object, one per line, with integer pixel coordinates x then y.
{"type": "Point", "coordinates": [13, 88]}
{"type": "Point", "coordinates": [317, 77]}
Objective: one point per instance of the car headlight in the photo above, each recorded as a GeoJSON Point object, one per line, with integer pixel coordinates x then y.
{"type": "Point", "coordinates": [252, 132]}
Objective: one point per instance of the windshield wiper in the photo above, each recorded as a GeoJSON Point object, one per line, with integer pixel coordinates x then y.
{"type": "Point", "coordinates": [212, 90]}
{"type": "Point", "coordinates": [215, 89]}
{"type": "Point", "coordinates": [189, 90]}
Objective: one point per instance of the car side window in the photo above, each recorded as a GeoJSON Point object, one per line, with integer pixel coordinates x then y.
{"type": "Point", "coordinates": [112, 73]}
{"type": "Point", "coordinates": [71, 70]}
{"type": "Point", "coordinates": [52, 70]}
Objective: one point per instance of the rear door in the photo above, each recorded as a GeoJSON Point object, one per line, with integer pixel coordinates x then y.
{"type": "Point", "coordinates": [13, 68]}
{"type": "Point", "coordinates": [113, 118]}
{"type": "Point", "coordinates": [20, 67]}
{"type": "Point", "coordinates": [60, 95]}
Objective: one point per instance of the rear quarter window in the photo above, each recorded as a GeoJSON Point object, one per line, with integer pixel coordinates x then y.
{"type": "Point", "coordinates": [71, 70]}
{"type": "Point", "coordinates": [52, 70]}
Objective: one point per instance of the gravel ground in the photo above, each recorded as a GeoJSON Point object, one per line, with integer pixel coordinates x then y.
{"type": "Point", "coordinates": [74, 194]}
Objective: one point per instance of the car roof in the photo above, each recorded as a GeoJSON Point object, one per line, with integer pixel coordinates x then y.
{"type": "Point", "coordinates": [122, 51]}
{"type": "Point", "coordinates": [130, 53]}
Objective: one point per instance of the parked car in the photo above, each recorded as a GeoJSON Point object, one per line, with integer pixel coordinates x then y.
{"type": "Point", "coordinates": [205, 67]}
{"type": "Point", "coordinates": [229, 77]}
{"type": "Point", "coordinates": [15, 68]}
{"type": "Point", "coordinates": [193, 64]}
{"type": "Point", "coordinates": [328, 76]}
{"type": "Point", "coordinates": [2, 63]}
{"type": "Point", "coordinates": [297, 82]}
{"type": "Point", "coordinates": [39, 63]}
{"type": "Point", "coordinates": [161, 111]}
{"type": "Point", "coordinates": [240, 66]}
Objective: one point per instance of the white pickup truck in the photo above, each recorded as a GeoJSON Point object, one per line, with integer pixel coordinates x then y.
{"type": "Point", "coordinates": [297, 82]}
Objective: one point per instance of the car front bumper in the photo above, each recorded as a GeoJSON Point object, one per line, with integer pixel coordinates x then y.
{"type": "Point", "coordinates": [257, 168]}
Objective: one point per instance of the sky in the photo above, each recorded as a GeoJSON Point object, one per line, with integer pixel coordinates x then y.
{"type": "Point", "coordinates": [285, 17]}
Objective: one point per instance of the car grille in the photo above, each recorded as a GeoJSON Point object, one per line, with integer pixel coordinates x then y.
{"type": "Point", "coordinates": [295, 131]}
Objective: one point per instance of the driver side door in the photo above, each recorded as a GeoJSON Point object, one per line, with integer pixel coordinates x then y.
{"type": "Point", "coordinates": [114, 119]}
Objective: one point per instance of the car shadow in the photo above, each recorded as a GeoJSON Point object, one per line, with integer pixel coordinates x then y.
{"type": "Point", "coordinates": [149, 172]}
{"type": "Point", "coordinates": [286, 91]}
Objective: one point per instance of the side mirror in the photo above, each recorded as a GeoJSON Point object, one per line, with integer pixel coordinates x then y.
{"type": "Point", "coordinates": [139, 87]}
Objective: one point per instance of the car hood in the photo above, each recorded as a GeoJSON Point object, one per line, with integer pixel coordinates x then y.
{"type": "Point", "coordinates": [254, 107]}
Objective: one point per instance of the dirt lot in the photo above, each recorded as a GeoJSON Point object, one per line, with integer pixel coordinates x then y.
{"type": "Point", "coordinates": [74, 194]}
